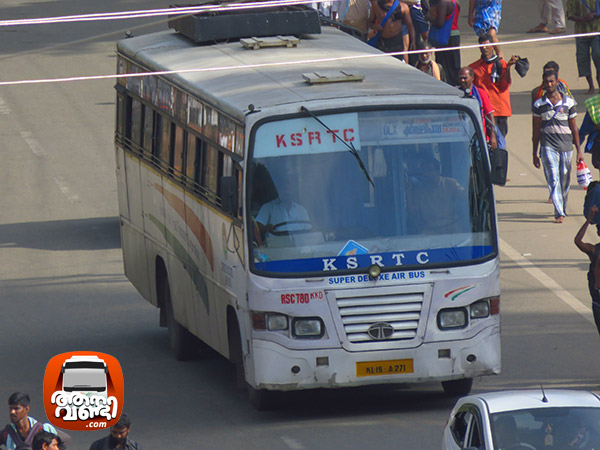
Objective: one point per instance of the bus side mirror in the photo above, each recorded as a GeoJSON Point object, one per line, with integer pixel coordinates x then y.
{"type": "Point", "coordinates": [229, 195]}
{"type": "Point", "coordinates": [498, 166]}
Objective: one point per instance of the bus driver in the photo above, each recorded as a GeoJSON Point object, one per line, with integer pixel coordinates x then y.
{"type": "Point", "coordinates": [282, 215]}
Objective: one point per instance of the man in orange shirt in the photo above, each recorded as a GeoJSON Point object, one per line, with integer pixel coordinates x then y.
{"type": "Point", "coordinates": [492, 74]}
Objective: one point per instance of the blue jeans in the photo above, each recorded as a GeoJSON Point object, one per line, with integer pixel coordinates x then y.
{"type": "Point", "coordinates": [557, 169]}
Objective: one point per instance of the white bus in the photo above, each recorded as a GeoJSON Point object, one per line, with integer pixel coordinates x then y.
{"type": "Point", "coordinates": [319, 234]}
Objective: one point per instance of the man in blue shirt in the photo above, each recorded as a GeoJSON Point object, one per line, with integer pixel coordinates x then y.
{"type": "Point", "coordinates": [22, 429]}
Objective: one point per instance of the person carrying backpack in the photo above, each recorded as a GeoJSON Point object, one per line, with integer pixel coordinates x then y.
{"type": "Point", "coordinates": [19, 433]}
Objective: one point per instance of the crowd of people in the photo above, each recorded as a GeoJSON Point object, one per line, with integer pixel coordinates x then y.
{"type": "Point", "coordinates": [26, 433]}
{"type": "Point", "coordinates": [427, 25]}
{"type": "Point", "coordinates": [432, 25]}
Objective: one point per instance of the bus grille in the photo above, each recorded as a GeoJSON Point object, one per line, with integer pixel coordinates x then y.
{"type": "Point", "coordinates": [400, 310]}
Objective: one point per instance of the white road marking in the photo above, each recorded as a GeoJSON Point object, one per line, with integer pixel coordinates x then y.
{"type": "Point", "coordinates": [292, 443]}
{"type": "Point", "coordinates": [544, 279]}
{"type": "Point", "coordinates": [66, 190]}
{"type": "Point", "coordinates": [4, 109]}
{"type": "Point", "coordinates": [33, 143]}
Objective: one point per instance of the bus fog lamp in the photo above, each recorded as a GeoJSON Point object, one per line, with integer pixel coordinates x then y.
{"type": "Point", "coordinates": [308, 328]}
{"type": "Point", "coordinates": [277, 322]}
{"type": "Point", "coordinates": [449, 319]}
{"type": "Point", "coordinates": [480, 309]}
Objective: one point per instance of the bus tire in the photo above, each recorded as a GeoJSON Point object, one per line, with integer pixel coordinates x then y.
{"type": "Point", "coordinates": [458, 388]}
{"type": "Point", "coordinates": [182, 342]}
{"type": "Point", "coordinates": [263, 399]}
{"type": "Point", "coordinates": [235, 349]}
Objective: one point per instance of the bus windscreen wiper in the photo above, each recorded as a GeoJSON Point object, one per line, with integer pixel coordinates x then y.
{"type": "Point", "coordinates": [350, 146]}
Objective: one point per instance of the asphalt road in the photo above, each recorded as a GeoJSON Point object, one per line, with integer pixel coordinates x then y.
{"type": "Point", "coordinates": [62, 286]}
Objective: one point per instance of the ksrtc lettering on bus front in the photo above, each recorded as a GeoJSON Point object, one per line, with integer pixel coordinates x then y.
{"type": "Point", "coordinates": [314, 138]}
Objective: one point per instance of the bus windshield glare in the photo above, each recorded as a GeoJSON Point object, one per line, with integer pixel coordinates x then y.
{"type": "Point", "coordinates": [396, 188]}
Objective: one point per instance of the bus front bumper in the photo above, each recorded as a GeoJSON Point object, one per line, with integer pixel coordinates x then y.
{"type": "Point", "coordinates": [278, 368]}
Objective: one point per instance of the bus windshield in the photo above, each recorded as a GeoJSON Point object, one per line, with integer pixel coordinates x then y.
{"type": "Point", "coordinates": [396, 188]}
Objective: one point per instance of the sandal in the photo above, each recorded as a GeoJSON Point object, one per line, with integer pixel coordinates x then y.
{"type": "Point", "coordinates": [557, 31]}
{"type": "Point", "coordinates": [541, 28]}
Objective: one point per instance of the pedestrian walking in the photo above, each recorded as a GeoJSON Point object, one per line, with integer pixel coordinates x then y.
{"type": "Point", "coordinates": [585, 14]}
{"type": "Point", "coordinates": [552, 17]}
{"type": "Point", "coordinates": [485, 17]}
{"type": "Point", "coordinates": [492, 74]}
{"type": "Point", "coordinates": [555, 132]}
{"type": "Point", "coordinates": [444, 33]}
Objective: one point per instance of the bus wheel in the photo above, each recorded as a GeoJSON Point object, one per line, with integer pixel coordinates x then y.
{"type": "Point", "coordinates": [458, 388]}
{"type": "Point", "coordinates": [263, 399]}
{"type": "Point", "coordinates": [182, 342]}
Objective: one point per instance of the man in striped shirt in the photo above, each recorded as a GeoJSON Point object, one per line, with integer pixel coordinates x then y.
{"type": "Point", "coordinates": [555, 132]}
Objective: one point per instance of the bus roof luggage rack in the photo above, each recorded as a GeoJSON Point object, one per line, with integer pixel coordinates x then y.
{"type": "Point", "coordinates": [246, 23]}
{"type": "Point", "coordinates": [338, 76]}
{"type": "Point", "coordinates": [254, 43]}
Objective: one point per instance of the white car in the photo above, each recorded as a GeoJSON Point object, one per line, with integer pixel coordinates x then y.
{"type": "Point", "coordinates": [533, 419]}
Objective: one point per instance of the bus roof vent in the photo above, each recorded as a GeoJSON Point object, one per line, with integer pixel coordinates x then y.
{"type": "Point", "coordinates": [255, 43]}
{"type": "Point", "coordinates": [245, 22]}
{"type": "Point", "coordinates": [339, 76]}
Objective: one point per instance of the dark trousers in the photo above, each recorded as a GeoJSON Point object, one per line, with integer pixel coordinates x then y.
{"type": "Point", "coordinates": [450, 60]}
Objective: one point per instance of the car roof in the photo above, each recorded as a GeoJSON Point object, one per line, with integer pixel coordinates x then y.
{"type": "Point", "coordinates": [532, 398]}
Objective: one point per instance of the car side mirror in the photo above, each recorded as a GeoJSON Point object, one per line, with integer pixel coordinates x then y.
{"type": "Point", "coordinates": [229, 195]}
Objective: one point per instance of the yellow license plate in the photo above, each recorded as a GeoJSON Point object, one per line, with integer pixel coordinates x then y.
{"type": "Point", "coordinates": [393, 367]}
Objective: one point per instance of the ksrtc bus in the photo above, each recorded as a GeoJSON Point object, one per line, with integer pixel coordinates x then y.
{"type": "Point", "coordinates": [320, 223]}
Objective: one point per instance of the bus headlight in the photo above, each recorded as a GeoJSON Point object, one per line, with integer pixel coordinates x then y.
{"type": "Point", "coordinates": [307, 328]}
{"type": "Point", "coordinates": [449, 319]}
{"type": "Point", "coordinates": [277, 322]}
{"type": "Point", "coordinates": [269, 321]}
{"type": "Point", "coordinates": [480, 309]}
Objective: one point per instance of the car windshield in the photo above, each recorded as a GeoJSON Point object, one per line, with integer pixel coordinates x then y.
{"type": "Point", "coordinates": [345, 191]}
{"type": "Point", "coordinates": [560, 428]}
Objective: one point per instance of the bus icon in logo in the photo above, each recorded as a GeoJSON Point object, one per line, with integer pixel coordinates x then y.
{"type": "Point", "coordinates": [85, 374]}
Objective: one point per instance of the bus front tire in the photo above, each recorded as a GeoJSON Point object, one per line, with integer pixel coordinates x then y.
{"type": "Point", "coordinates": [458, 388]}
{"type": "Point", "coordinates": [263, 399]}
{"type": "Point", "coordinates": [182, 342]}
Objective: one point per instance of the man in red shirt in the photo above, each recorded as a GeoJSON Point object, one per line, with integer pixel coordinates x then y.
{"type": "Point", "coordinates": [492, 74]}
{"type": "Point", "coordinates": [465, 83]}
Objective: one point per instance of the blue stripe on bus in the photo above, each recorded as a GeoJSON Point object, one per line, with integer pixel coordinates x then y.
{"type": "Point", "coordinates": [391, 259]}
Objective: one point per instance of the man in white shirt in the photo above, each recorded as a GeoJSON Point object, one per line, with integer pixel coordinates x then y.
{"type": "Point", "coordinates": [282, 214]}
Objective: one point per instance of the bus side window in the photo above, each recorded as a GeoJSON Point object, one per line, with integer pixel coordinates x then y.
{"type": "Point", "coordinates": [210, 172]}
{"type": "Point", "coordinates": [136, 122]}
{"type": "Point", "coordinates": [128, 118]}
{"type": "Point", "coordinates": [190, 158]}
{"type": "Point", "coordinates": [148, 128]}
{"type": "Point", "coordinates": [177, 151]}
{"type": "Point", "coordinates": [120, 114]}
{"type": "Point", "coordinates": [162, 141]}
